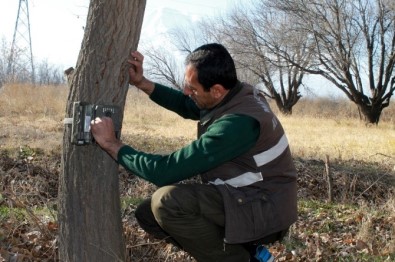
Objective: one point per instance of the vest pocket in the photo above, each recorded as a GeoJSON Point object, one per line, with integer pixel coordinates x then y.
{"type": "Point", "coordinates": [249, 214]}
{"type": "Point", "coordinates": [266, 218]}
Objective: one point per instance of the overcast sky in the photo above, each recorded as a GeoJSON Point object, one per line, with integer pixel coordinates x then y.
{"type": "Point", "coordinates": [57, 25]}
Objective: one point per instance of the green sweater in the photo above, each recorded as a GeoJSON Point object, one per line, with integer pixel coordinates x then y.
{"type": "Point", "coordinates": [228, 137]}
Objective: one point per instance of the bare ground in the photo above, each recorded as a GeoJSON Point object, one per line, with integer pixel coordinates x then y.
{"type": "Point", "coordinates": [357, 226]}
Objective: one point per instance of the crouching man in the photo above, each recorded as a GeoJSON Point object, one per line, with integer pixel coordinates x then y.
{"type": "Point", "coordinates": [242, 154]}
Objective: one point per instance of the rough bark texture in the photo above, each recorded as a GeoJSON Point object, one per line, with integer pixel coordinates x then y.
{"type": "Point", "coordinates": [89, 204]}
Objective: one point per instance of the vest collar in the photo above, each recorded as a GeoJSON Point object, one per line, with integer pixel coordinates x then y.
{"type": "Point", "coordinates": [207, 114]}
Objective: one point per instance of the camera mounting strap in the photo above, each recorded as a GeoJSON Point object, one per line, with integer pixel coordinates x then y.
{"type": "Point", "coordinates": [68, 121]}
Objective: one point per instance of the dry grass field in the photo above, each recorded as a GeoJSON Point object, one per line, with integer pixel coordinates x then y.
{"type": "Point", "coordinates": [359, 225]}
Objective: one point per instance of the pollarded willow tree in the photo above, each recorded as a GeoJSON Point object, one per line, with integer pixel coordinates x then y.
{"type": "Point", "coordinates": [241, 31]}
{"type": "Point", "coordinates": [354, 43]}
{"type": "Point", "coordinates": [89, 204]}
{"type": "Point", "coordinates": [253, 34]}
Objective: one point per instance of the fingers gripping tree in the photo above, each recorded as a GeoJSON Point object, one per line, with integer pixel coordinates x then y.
{"type": "Point", "coordinates": [89, 204]}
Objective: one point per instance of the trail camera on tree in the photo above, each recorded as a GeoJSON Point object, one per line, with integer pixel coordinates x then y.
{"type": "Point", "coordinates": [84, 113]}
{"type": "Point", "coordinates": [90, 225]}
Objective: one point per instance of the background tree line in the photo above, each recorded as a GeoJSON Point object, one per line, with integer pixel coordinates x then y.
{"type": "Point", "coordinates": [16, 69]}
{"type": "Point", "coordinates": [278, 43]}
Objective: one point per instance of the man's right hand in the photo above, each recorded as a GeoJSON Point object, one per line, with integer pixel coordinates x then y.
{"type": "Point", "coordinates": [104, 134]}
{"type": "Point", "coordinates": [136, 73]}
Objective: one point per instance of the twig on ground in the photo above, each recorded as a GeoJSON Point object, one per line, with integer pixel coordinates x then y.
{"type": "Point", "coordinates": [11, 196]}
{"type": "Point", "coordinates": [375, 182]}
{"type": "Point", "coordinates": [381, 154]}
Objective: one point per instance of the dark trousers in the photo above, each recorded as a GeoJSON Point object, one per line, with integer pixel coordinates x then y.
{"type": "Point", "coordinates": [190, 216]}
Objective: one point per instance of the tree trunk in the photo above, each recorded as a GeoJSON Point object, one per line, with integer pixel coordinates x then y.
{"type": "Point", "coordinates": [284, 104]}
{"type": "Point", "coordinates": [285, 110]}
{"type": "Point", "coordinates": [89, 204]}
{"type": "Point", "coordinates": [371, 113]}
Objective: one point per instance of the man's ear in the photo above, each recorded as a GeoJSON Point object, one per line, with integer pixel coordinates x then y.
{"type": "Point", "coordinates": [218, 91]}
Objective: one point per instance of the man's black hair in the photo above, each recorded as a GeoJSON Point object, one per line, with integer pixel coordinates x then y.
{"type": "Point", "coordinates": [214, 65]}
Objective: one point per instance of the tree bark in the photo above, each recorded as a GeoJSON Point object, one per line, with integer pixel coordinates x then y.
{"type": "Point", "coordinates": [89, 204]}
{"type": "Point", "coordinates": [356, 54]}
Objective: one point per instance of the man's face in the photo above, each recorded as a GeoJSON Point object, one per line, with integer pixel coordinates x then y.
{"type": "Point", "coordinates": [193, 89]}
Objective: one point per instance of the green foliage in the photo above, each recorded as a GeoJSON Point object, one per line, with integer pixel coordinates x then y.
{"type": "Point", "coordinates": [130, 201]}
{"type": "Point", "coordinates": [26, 152]}
{"type": "Point", "coordinates": [17, 214]}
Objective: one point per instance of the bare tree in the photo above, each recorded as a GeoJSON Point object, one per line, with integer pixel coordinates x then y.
{"type": "Point", "coordinates": [355, 47]}
{"type": "Point", "coordinates": [245, 30]}
{"type": "Point", "coordinates": [48, 74]}
{"type": "Point", "coordinates": [163, 66]}
{"type": "Point", "coordinates": [3, 62]}
{"type": "Point", "coordinates": [10, 72]}
{"type": "Point", "coordinates": [187, 37]}
{"type": "Point", "coordinates": [242, 32]}
{"type": "Point", "coordinates": [166, 65]}
{"type": "Point", "coordinates": [16, 70]}
{"type": "Point", "coordinates": [89, 205]}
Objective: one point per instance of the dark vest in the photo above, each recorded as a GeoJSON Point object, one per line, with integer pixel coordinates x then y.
{"type": "Point", "coordinates": [258, 187]}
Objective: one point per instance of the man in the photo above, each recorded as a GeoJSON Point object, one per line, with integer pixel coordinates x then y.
{"type": "Point", "coordinates": [242, 155]}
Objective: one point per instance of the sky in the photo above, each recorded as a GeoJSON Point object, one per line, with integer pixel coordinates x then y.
{"type": "Point", "coordinates": [56, 26]}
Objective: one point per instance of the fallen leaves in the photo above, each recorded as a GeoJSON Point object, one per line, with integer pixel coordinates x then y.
{"type": "Point", "coordinates": [346, 230]}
